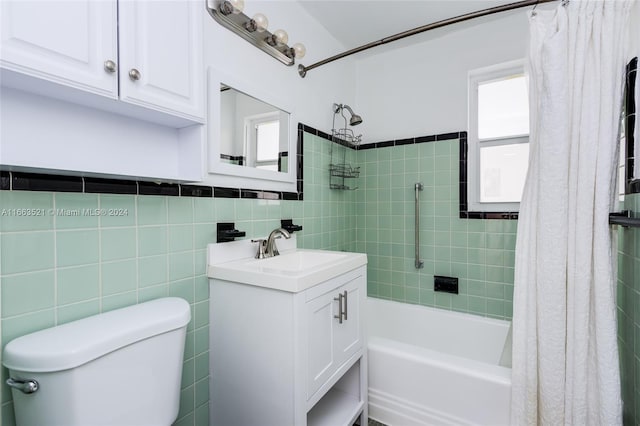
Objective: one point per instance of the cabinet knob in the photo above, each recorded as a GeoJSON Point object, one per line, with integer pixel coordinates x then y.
{"type": "Point", "coordinates": [134, 74]}
{"type": "Point", "coordinates": [110, 66]}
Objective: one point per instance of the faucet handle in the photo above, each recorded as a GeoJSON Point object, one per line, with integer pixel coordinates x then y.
{"type": "Point", "coordinates": [262, 245]}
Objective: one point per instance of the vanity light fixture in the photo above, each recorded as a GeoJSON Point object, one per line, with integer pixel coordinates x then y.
{"type": "Point", "coordinates": [228, 13]}
{"type": "Point", "coordinates": [259, 23]}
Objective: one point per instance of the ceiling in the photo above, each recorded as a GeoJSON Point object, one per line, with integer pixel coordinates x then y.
{"type": "Point", "coordinates": [357, 22]}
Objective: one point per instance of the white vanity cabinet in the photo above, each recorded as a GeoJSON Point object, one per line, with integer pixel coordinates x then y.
{"type": "Point", "coordinates": [144, 53]}
{"type": "Point", "coordinates": [288, 358]}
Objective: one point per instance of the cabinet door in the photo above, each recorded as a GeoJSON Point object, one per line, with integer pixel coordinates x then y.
{"type": "Point", "coordinates": [330, 342]}
{"type": "Point", "coordinates": [320, 341]}
{"type": "Point", "coordinates": [348, 335]}
{"type": "Point", "coordinates": [64, 41]}
{"type": "Point", "coordinates": [161, 55]}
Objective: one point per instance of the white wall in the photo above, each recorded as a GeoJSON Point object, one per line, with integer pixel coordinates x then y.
{"type": "Point", "coordinates": [421, 89]}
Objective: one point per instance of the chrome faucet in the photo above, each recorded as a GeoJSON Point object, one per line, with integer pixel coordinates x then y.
{"type": "Point", "coordinates": [270, 247]}
{"type": "Point", "coordinates": [267, 248]}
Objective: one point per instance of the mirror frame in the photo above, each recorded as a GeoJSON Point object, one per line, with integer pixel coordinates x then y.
{"type": "Point", "coordinates": [235, 176]}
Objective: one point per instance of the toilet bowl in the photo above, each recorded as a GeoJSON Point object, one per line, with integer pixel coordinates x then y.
{"type": "Point", "coordinates": [119, 368]}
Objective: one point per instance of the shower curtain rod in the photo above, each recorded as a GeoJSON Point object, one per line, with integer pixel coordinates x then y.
{"type": "Point", "coordinates": [302, 70]}
{"type": "Point", "coordinates": [624, 219]}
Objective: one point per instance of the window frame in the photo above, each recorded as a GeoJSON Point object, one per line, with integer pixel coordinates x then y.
{"type": "Point", "coordinates": [475, 78]}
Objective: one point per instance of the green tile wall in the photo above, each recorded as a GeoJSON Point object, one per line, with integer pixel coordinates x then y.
{"type": "Point", "coordinates": [57, 268]}
{"type": "Point", "coordinates": [329, 219]}
{"type": "Point", "coordinates": [628, 296]}
{"type": "Point", "coordinates": [479, 252]}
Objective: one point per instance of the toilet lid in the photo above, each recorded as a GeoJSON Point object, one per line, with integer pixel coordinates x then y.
{"type": "Point", "coordinates": [78, 342]}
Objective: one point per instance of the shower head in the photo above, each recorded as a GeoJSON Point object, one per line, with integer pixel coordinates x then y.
{"type": "Point", "coordinates": [355, 118]}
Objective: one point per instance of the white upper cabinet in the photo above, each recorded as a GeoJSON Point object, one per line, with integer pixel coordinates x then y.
{"type": "Point", "coordinates": [145, 53]}
{"type": "Point", "coordinates": [66, 42]}
{"type": "Point", "coordinates": [161, 55]}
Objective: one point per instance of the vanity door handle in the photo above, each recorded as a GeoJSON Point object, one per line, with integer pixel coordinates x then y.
{"type": "Point", "coordinates": [340, 312]}
{"type": "Point", "coordinates": [345, 305]}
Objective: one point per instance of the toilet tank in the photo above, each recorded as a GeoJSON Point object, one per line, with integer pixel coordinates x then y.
{"type": "Point", "coordinates": [123, 367]}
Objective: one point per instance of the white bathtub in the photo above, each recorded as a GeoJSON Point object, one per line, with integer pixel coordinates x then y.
{"type": "Point", "coordinates": [434, 367]}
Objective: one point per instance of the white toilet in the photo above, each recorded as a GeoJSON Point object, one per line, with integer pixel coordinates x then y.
{"type": "Point", "coordinates": [120, 368]}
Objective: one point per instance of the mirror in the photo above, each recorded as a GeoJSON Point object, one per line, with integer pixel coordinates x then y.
{"type": "Point", "coordinates": [251, 137]}
{"type": "Point", "coordinates": [253, 133]}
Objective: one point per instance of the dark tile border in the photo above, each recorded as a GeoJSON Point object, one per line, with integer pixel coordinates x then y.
{"type": "Point", "coordinates": [196, 191]}
{"type": "Point", "coordinates": [42, 182]}
{"type": "Point", "coordinates": [291, 196]}
{"type": "Point", "coordinates": [5, 181]}
{"type": "Point", "coordinates": [632, 186]}
{"type": "Point", "coordinates": [152, 188]}
{"type": "Point", "coordinates": [410, 141]}
{"type": "Point", "coordinates": [16, 181]}
{"type": "Point", "coordinates": [422, 139]}
{"type": "Point", "coordinates": [220, 192]}
{"type": "Point", "coordinates": [260, 195]}
{"type": "Point", "coordinates": [110, 186]}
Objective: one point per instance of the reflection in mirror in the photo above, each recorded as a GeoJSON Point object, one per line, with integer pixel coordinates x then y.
{"type": "Point", "coordinates": [253, 133]}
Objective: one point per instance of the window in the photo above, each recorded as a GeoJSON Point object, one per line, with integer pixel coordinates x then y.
{"type": "Point", "coordinates": [498, 137]}
{"type": "Point", "coordinates": [267, 143]}
{"type": "Point", "coordinates": [263, 135]}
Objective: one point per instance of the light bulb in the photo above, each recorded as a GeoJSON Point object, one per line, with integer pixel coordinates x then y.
{"type": "Point", "coordinates": [281, 37]}
{"type": "Point", "coordinates": [299, 50]}
{"type": "Point", "coordinates": [261, 22]}
{"type": "Point", "coordinates": [238, 5]}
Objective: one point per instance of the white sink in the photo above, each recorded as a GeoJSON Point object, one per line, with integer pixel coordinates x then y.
{"type": "Point", "coordinates": [296, 261]}
{"type": "Point", "coordinates": [293, 270]}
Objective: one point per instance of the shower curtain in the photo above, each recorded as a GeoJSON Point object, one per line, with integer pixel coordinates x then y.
{"type": "Point", "coordinates": [565, 358]}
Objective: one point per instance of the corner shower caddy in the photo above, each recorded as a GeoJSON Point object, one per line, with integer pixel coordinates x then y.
{"type": "Point", "coordinates": [339, 169]}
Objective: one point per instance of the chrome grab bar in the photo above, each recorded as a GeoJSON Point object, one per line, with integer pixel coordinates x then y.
{"type": "Point", "coordinates": [24, 386]}
{"type": "Point", "coordinates": [419, 263]}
